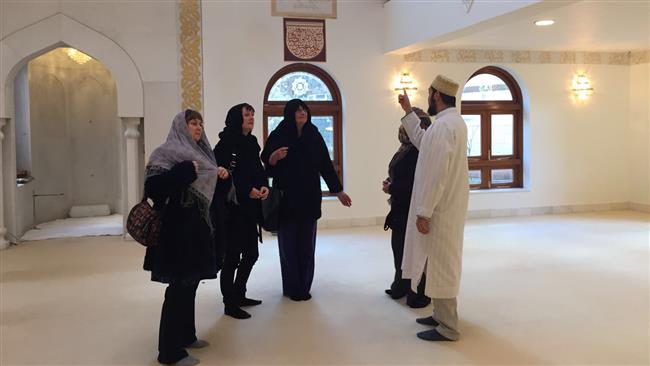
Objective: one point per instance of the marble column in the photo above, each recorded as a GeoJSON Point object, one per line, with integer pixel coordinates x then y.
{"type": "Point", "coordinates": [4, 244]}
{"type": "Point", "coordinates": [132, 161]}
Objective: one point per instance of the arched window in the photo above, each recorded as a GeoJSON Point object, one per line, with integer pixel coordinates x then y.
{"type": "Point", "coordinates": [492, 107]}
{"type": "Point", "coordinates": [319, 91]}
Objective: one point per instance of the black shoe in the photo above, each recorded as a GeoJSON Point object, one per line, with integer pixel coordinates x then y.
{"type": "Point", "coordinates": [427, 321]}
{"type": "Point", "coordinates": [301, 297]}
{"type": "Point", "coordinates": [236, 312]}
{"type": "Point", "coordinates": [417, 301]}
{"type": "Point", "coordinates": [249, 302]}
{"type": "Point", "coordinates": [433, 335]}
{"type": "Point", "coordinates": [395, 295]}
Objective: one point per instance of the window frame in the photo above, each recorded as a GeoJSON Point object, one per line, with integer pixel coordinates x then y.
{"type": "Point", "coordinates": [318, 108]}
{"type": "Point", "coordinates": [486, 162]}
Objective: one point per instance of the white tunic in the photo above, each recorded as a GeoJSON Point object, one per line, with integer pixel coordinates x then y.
{"type": "Point", "coordinates": [440, 193]}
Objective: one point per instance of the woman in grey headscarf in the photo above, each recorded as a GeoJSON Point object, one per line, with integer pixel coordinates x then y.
{"type": "Point", "coordinates": [181, 178]}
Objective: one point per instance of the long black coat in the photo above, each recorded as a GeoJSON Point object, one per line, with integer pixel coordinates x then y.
{"type": "Point", "coordinates": [400, 190]}
{"type": "Point", "coordinates": [298, 175]}
{"type": "Point", "coordinates": [248, 172]}
{"type": "Point", "coordinates": [187, 250]}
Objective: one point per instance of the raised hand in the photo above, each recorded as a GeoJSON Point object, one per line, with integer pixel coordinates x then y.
{"type": "Point", "coordinates": [278, 155]}
{"type": "Point", "coordinates": [405, 102]}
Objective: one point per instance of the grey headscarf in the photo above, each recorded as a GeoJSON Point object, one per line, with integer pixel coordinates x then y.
{"type": "Point", "coordinates": [181, 147]}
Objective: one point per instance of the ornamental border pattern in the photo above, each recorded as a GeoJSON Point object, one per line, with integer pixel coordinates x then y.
{"type": "Point", "coordinates": [190, 54]}
{"type": "Point", "coordinates": [528, 57]}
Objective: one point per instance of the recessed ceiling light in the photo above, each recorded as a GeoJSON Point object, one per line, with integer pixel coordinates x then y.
{"type": "Point", "coordinates": [544, 23]}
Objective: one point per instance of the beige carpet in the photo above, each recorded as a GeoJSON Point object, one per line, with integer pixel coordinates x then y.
{"type": "Point", "coordinates": [570, 289]}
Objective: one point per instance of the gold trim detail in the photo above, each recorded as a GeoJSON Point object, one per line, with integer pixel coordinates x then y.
{"type": "Point", "coordinates": [528, 57]}
{"type": "Point", "coordinates": [191, 57]}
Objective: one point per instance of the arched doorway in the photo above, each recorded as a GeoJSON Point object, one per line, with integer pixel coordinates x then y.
{"type": "Point", "coordinates": [30, 42]}
{"type": "Point", "coordinates": [68, 148]}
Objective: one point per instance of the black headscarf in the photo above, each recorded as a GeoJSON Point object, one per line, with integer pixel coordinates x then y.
{"type": "Point", "coordinates": [288, 124]}
{"type": "Point", "coordinates": [231, 138]}
{"type": "Point", "coordinates": [234, 121]}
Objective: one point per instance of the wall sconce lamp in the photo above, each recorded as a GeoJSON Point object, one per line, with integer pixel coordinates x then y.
{"type": "Point", "coordinates": [581, 87]}
{"type": "Point", "coordinates": [406, 82]}
{"type": "Point", "coordinates": [78, 56]}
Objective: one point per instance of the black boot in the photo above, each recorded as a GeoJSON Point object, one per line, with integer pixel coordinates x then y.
{"type": "Point", "coordinates": [236, 312]}
{"type": "Point", "coordinates": [249, 302]}
{"type": "Point", "coordinates": [417, 301]}
{"type": "Point", "coordinates": [395, 294]}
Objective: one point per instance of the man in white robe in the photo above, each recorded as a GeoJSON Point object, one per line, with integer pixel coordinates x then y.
{"type": "Point", "coordinates": [436, 220]}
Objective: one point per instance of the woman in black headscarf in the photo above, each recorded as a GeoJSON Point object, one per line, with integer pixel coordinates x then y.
{"type": "Point", "coordinates": [239, 150]}
{"type": "Point", "coordinates": [399, 184]}
{"type": "Point", "coordinates": [295, 155]}
{"type": "Point", "coordinates": [181, 179]}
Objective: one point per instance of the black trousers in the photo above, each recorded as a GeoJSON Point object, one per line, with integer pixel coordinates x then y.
{"type": "Point", "coordinates": [401, 285]}
{"type": "Point", "coordinates": [241, 254]}
{"type": "Point", "coordinates": [297, 244]}
{"type": "Point", "coordinates": [177, 328]}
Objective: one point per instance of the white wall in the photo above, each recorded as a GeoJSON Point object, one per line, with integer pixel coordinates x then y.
{"type": "Point", "coordinates": [243, 48]}
{"type": "Point", "coordinates": [24, 219]}
{"type": "Point", "coordinates": [576, 154]}
{"type": "Point", "coordinates": [76, 135]}
{"type": "Point", "coordinates": [639, 147]}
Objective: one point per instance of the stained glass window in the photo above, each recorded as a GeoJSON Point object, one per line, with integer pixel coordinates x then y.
{"type": "Point", "coordinates": [299, 85]}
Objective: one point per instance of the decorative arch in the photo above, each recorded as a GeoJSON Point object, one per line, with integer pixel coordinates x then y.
{"type": "Point", "coordinates": [23, 45]}
{"type": "Point", "coordinates": [59, 30]}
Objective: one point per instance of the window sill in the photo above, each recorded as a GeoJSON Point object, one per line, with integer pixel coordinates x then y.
{"type": "Point", "coordinates": [499, 190]}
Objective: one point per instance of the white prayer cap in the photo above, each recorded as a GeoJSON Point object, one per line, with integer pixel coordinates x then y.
{"type": "Point", "coordinates": [445, 85]}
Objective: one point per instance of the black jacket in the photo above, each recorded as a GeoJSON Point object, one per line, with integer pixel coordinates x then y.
{"type": "Point", "coordinates": [401, 187]}
{"type": "Point", "coordinates": [298, 175]}
{"type": "Point", "coordinates": [247, 173]}
{"type": "Point", "coordinates": [187, 250]}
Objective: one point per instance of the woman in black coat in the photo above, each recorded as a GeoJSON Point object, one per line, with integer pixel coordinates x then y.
{"type": "Point", "coordinates": [181, 177]}
{"type": "Point", "coordinates": [239, 150]}
{"type": "Point", "coordinates": [295, 155]}
{"type": "Point", "coordinates": [399, 184]}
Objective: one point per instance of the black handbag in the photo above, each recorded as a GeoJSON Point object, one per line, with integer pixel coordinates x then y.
{"type": "Point", "coordinates": [271, 210]}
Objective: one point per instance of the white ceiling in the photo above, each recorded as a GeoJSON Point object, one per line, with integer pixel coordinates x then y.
{"type": "Point", "coordinates": [616, 26]}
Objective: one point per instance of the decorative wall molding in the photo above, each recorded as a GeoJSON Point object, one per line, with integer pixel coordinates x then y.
{"type": "Point", "coordinates": [639, 57]}
{"type": "Point", "coordinates": [191, 56]}
{"type": "Point", "coordinates": [528, 57]}
{"type": "Point", "coordinates": [498, 212]}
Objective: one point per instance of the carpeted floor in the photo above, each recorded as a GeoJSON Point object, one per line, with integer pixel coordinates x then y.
{"type": "Point", "coordinates": [564, 289]}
